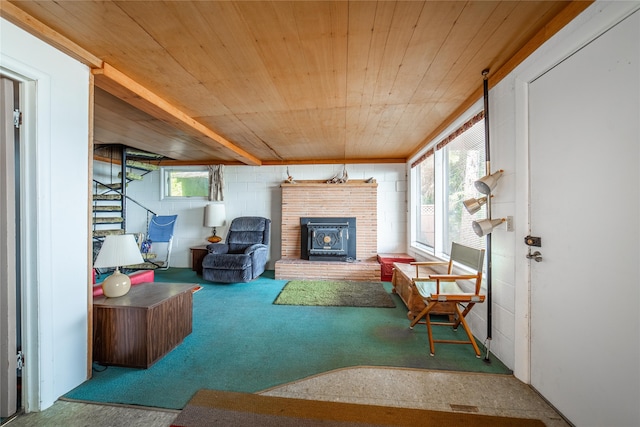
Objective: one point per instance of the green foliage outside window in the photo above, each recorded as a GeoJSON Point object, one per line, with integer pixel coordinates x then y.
{"type": "Point", "coordinates": [461, 162]}
{"type": "Point", "coordinates": [464, 163]}
{"type": "Point", "coordinates": [187, 183]}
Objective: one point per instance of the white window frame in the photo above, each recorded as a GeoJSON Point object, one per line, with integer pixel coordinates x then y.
{"type": "Point", "coordinates": [164, 182]}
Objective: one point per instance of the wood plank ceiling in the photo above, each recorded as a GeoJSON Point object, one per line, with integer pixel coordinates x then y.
{"type": "Point", "coordinates": [285, 82]}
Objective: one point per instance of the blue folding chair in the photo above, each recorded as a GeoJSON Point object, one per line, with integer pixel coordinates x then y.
{"type": "Point", "coordinates": [160, 234]}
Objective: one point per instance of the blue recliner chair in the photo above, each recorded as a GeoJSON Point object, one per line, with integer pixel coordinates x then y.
{"type": "Point", "coordinates": [244, 255]}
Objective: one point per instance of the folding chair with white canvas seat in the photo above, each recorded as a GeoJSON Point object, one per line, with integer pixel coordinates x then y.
{"type": "Point", "coordinates": [443, 295]}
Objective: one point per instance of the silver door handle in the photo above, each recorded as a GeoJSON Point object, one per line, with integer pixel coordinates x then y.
{"type": "Point", "coordinates": [537, 256]}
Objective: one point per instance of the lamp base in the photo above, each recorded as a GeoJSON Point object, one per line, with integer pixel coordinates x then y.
{"type": "Point", "coordinates": [214, 239]}
{"type": "Point", "coordinates": [116, 285]}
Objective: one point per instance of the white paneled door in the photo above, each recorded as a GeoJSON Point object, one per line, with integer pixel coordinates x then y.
{"type": "Point", "coordinates": [584, 152]}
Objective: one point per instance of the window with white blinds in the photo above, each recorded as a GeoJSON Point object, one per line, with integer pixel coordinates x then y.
{"type": "Point", "coordinates": [444, 178]}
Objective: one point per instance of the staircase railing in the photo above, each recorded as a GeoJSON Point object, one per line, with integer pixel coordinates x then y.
{"type": "Point", "coordinates": [111, 199]}
{"type": "Point", "coordinates": [124, 198]}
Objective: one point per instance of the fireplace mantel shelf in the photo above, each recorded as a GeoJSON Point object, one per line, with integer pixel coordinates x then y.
{"type": "Point", "coordinates": [323, 183]}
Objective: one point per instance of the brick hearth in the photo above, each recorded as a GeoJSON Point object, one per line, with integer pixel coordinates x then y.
{"type": "Point", "coordinates": [327, 270]}
{"type": "Point", "coordinates": [317, 199]}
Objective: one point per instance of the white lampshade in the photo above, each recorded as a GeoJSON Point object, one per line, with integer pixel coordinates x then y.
{"type": "Point", "coordinates": [214, 215]}
{"type": "Point", "coordinates": [486, 226]}
{"type": "Point", "coordinates": [486, 184]}
{"type": "Point", "coordinates": [117, 251]}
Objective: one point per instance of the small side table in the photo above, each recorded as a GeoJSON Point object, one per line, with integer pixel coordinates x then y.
{"type": "Point", "coordinates": [138, 329]}
{"type": "Point", "coordinates": [197, 255]}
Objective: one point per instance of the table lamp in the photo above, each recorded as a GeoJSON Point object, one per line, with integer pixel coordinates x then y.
{"type": "Point", "coordinates": [117, 251]}
{"type": "Point", "coordinates": [214, 216]}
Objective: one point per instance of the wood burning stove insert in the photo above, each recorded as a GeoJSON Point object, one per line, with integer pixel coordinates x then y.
{"type": "Point", "coordinates": [328, 239]}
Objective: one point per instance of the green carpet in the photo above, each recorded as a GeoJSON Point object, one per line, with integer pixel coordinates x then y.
{"type": "Point", "coordinates": [242, 342]}
{"type": "Point", "coordinates": [334, 293]}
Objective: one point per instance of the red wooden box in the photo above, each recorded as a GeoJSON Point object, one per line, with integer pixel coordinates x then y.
{"type": "Point", "coordinates": [386, 264]}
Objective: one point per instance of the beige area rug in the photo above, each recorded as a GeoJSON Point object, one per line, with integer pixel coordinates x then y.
{"type": "Point", "coordinates": [334, 293]}
{"type": "Point", "coordinates": [211, 407]}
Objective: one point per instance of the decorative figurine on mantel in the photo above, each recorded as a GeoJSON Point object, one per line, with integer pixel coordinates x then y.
{"type": "Point", "coordinates": [289, 179]}
{"type": "Point", "coordinates": [340, 178]}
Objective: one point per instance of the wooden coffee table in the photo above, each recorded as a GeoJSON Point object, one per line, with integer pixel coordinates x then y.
{"type": "Point", "coordinates": [138, 329]}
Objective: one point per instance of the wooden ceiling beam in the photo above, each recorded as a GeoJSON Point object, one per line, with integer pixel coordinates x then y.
{"type": "Point", "coordinates": [28, 23]}
{"type": "Point", "coordinates": [118, 84]}
{"type": "Point", "coordinates": [169, 162]}
{"type": "Point", "coordinates": [333, 161]}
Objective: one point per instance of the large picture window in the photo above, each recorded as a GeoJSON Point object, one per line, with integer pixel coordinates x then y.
{"type": "Point", "coordinates": [444, 177]}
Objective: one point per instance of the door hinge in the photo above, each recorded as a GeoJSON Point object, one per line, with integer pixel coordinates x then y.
{"type": "Point", "coordinates": [17, 118]}
{"type": "Point", "coordinates": [20, 360]}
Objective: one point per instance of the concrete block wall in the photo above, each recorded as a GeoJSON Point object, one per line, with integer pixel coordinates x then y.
{"type": "Point", "coordinates": [255, 190]}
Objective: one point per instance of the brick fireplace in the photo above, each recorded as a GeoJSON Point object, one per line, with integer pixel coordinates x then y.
{"type": "Point", "coordinates": [356, 199]}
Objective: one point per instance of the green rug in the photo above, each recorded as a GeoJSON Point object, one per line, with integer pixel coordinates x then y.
{"type": "Point", "coordinates": [334, 293]}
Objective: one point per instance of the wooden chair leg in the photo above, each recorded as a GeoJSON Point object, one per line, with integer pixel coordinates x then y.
{"type": "Point", "coordinates": [425, 313]}
{"type": "Point", "coordinates": [467, 309]}
{"type": "Point", "coordinates": [432, 351]}
{"type": "Point", "coordinates": [472, 340]}
{"type": "Point", "coordinates": [460, 320]}
{"type": "Point", "coordinates": [416, 319]}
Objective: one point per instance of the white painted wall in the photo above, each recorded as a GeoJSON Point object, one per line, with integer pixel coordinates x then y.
{"type": "Point", "coordinates": [255, 191]}
{"type": "Point", "coordinates": [54, 214]}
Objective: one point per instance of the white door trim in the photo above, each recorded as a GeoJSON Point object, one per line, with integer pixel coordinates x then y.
{"type": "Point", "coordinates": [34, 134]}
{"type": "Point", "coordinates": [8, 323]}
